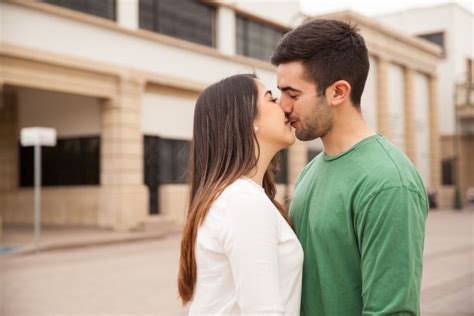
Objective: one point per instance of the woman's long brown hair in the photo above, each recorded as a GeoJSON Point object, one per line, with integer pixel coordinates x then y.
{"type": "Point", "coordinates": [223, 150]}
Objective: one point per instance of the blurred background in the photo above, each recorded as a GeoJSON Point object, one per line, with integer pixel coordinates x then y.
{"type": "Point", "coordinates": [117, 81]}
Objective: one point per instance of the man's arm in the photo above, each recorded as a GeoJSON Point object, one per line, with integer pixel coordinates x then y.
{"type": "Point", "coordinates": [390, 229]}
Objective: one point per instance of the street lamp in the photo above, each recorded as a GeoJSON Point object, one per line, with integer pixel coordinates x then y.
{"type": "Point", "coordinates": [37, 137]}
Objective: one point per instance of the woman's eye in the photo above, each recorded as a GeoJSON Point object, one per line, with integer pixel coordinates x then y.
{"type": "Point", "coordinates": [274, 99]}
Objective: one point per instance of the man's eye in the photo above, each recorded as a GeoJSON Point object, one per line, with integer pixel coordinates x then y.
{"type": "Point", "coordinates": [294, 97]}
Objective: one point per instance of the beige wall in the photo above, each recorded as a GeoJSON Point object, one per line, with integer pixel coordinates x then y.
{"type": "Point", "coordinates": [59, 206]}
{"type": "Point", "coordinates": [396, 112]}
{"type": "Point", "coordinates": [421, 127]}
{"type": "Point", "coordinates": [369, 97]}
{"type": "Point", "coordinates": [70, 115]}
{"type": "Point", "coordinates": [168, 113]}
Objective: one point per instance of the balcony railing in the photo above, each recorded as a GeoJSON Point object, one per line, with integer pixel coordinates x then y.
{"type": "Point", "coordinates": [465, 100]}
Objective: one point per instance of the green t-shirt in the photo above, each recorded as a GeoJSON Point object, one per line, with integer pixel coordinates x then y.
{"type": "Point", "coordinates": [360, 217]}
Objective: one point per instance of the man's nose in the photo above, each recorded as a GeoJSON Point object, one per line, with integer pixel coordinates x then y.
{"type": "Point", "coordinates": [286, 104]}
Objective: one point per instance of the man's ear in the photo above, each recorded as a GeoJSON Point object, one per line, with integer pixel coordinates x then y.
{"type": "Point", "coordinates": [339, 92]}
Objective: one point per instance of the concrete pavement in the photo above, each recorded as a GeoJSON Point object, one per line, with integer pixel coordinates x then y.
{"type": "Point", "coordinates": [140, 278]}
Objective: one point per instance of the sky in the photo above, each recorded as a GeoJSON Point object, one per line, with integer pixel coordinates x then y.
{"type": "Point", "coordinates": [372, 7]}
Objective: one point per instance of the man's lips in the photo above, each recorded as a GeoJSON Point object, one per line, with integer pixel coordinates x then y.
{"type": "Point", "coordinates": [292, 122]}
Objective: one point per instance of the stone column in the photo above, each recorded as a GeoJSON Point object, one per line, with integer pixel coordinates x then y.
{"type": "Point", "coordinates": [8, 140]}
{"type": "Point", "coordinates": [435, 167]}
{"type": "Point", "coordinates": [409, 104]}
{"type": "Point", "coordinates": [382, 97]}
{"type": "Point", "coordinates": [127, 13]}
{"type": "Point", "coordinates": [124, 197]}
{"type": "Point", "coordinates": [226, 30]}
{"type": "Point", "coordinates": [297, 160]}
{"type": "Point", "coordinates": [8, 153]}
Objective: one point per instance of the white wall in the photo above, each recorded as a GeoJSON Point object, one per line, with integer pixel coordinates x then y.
{"type": "Point", "coordinates": [167, 115]}
{"type": "Point", "coordinates": [225, 32]}
{"type": "Point", "coordinates": [369, 96]}
{"type": "Point", "coordinates": [46, 32]}
{"type": "Point", "coordinates": [458, 24]}
{"type": "Point", "coordinates": [70, 115]}
{"type": "Point", "coordinates": [127, 13]}
{"type": "Point", "coordinates": [422, 133]}
{"type": "Point", "coordinates": [282, 11]}
{"type": "Point", "coordinates": [396, 86]}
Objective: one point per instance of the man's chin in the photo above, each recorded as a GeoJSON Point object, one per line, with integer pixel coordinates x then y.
{"type": "Point", "coordinates": [304, 136]}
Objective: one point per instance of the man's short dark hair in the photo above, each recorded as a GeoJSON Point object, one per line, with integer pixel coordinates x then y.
{"type": "Point", "coordinates": [330, 50]}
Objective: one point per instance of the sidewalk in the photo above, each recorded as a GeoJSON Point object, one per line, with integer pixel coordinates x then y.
{"type": "Point", "coordinates": [19, 239]}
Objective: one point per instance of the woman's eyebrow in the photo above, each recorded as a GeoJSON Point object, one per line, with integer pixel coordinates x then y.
{"type": "Point", "coordinates": [268, 92]}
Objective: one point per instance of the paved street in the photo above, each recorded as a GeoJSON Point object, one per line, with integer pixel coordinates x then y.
{"type": "Point", "coordinates": [139, 278]}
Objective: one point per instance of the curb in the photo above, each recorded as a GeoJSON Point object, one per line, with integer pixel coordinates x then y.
{"type": "Point", "coordinates": [85, 243]}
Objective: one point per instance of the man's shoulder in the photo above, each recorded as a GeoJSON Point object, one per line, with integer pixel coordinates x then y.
{"type": "Point", "coordinates": [388, 167]}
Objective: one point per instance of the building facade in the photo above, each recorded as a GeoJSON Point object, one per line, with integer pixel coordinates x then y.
{"type": "Point", "coordinates": [118, 80]}
{"type": "Point", "coordinates": [450, 26]}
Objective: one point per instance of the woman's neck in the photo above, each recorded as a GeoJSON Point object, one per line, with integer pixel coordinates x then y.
{"type": "Point", "coordinates": [266, 156]}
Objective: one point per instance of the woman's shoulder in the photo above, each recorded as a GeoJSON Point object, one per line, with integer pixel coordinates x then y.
{"type": "Point", "coordinates": [243, 195]}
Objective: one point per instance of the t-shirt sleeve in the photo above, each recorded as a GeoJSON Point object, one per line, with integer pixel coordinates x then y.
{"type": "Point", "coordinates": [390, 230]}
{"type": "Point", "coordinates": [251, 245]}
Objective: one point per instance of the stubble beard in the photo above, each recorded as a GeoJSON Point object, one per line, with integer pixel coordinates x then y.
{"type": "Point", "coordinates": [318, 123]}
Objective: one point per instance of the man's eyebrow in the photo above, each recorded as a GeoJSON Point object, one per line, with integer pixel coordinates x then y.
{"type": "Point", "coordinates": [288, 88]}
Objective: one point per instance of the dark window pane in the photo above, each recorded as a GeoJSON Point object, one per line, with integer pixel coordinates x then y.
{"type": "Point", "coordinates": [282, 173]}
{"type": "Point", "coordinates": [312, 153]}
{"type": "Point", "coordinates": [101, 8]}
{"type": "Point", "coordinates": [165, 162]}
{"type": "Point", "coordinates": [436, 38]}
{"type": "Point", "coordinates": [448, 172]}
{"type": "Point", "coordinates": [255, 39]}
{"type": "Point", "coordinates": [190, 20]}
{"type": "Point", "coordinates": [73, 161]}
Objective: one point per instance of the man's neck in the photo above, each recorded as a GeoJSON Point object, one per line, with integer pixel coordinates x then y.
{"type": "Point", "coordinates": [345, 133]}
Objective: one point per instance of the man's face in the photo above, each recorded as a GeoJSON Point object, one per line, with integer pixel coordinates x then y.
{"type": "Point", "coordinates": [310, 114]}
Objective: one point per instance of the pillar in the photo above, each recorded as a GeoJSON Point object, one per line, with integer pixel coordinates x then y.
{"type": "Point", "coordinates": [127, 13]}
{"type": "Point", "coordinates": [297, 160]}
{"type": "Point", "coordinates": [123, 203]}
{"type": "Point", "coordinates": [435, 167]}
{"type": "Point", "coordinates": [409, 103]}
{"type": "Point", "coordinates": [226, 30]}
{"type": "Point", "coordinates": [382, 97]}
{"type": "Point", "coordinates": [8, 140]}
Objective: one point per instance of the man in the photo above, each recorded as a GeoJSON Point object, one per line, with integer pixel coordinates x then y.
{"type": "Point", "coordinates": [359, 207]}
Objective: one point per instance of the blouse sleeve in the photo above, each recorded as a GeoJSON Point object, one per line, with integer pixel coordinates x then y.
{"type": "Point", "coordinates": [251, 244]}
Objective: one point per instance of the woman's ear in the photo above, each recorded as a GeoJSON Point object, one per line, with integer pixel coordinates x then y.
{"type": "Point", "coordinates": [339, 92]}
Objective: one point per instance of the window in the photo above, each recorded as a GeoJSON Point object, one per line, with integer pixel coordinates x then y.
{"type": "Point", "coordinates": [282, 173]}
{"type": "Point", "coordinates": [255, 39]}
{"type": "Point", "coordinates": [448, 172]}
{"type": "Point", "coordinates": [189, 20]}
{"type": "Point", "coordinates": [469, 71]}
{"type": "Point", "coordinates": [73, 161]}
{"type": "Point", "coordinates": [312, 153]}
{"type": "Point", "coordinates": [435, 38]}
{"type": "Point", "coordinates": [165, 162]}
{"type": "Point", "coordinates": [101, 8]}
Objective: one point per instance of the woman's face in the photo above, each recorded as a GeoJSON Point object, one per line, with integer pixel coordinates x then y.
{"type": "Point", "coordinates": [273, 129]}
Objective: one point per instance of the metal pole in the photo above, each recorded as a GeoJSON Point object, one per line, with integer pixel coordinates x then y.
{"type": "Point", "coordinates": [37, 195]}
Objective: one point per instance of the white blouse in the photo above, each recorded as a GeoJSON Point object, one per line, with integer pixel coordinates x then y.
{"type": "Point", "coordinates": [249, 260]}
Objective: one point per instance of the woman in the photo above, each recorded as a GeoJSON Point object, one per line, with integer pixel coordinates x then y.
{"type": "Point", "coordinates": [239, 255]}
